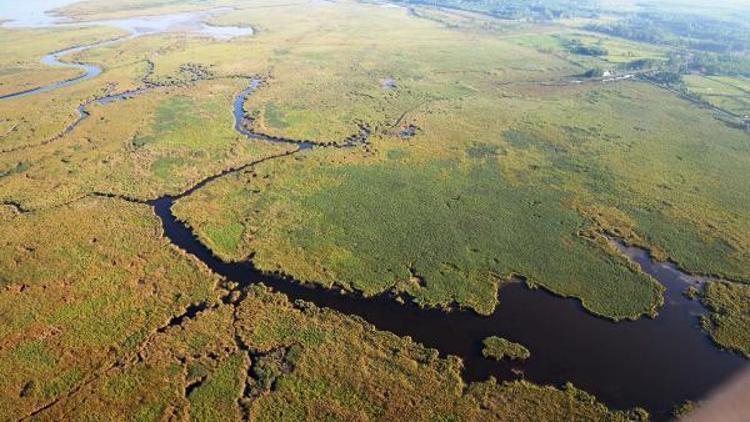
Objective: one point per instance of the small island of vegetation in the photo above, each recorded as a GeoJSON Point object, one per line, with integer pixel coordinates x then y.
{"type": "Point", "coordinates": [499, 348]}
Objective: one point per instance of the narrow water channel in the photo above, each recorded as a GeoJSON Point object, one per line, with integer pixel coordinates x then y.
{"type": "Point", "coordinates": [243, 124]}
{"type": "Point", "coordinates": [89, 71]}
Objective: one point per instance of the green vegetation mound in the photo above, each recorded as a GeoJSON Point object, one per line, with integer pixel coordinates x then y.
{"type": "Point", "coordinates": [499, 348]}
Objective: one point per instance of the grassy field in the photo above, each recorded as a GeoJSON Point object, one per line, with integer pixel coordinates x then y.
{"type": "Point", "coordinates": [20, 66]}
{"type": "Point", "coordinates": [729, 304]}
{"type": "Point", "coordinates": [457, 226]}
{"type": "Point", "coordinates": [82, 288]}
{"type": "Point", "coordinates": [616, 53]}
{"type": "Point", "coordinates": [261, 360]}
{"type": "Point", "coordinates": [732, 94]}
{"type": "Point", "coordinates": [306, 98]}
{"type": "Point", "coordinates": [572, 157]}
{"type": "Point", "coordinates": [499, 171]}
{"type": "Point", "coordinates": [412, 383]}
{"type": "Point", "coordinates": [161, 141]}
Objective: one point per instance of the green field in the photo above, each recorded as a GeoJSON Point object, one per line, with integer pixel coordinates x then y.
{"type": "Point", "coordinates": [447, 204]}
{"type": "Point", "coordinates": [732, 94]}
{"type": "Point", "coordinates": [458, 226]}
{"type": "Point", "coordinates": [84, 287]}
{"type": "Point", "coordinates": [730, 314]}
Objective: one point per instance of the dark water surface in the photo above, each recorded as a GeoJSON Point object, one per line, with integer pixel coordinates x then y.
{"type": "Point", "coordinates": [242, 123]}
{"type": "Point", "coordinates": [651, 363]}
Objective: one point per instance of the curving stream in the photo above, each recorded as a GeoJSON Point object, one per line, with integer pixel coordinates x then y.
{"type": "Point", "coordinates": [651, 363]}
{"type": "Point", "coordinates": [189, 23]}
{"type": "Point", "coordinates": [243, 124]}
{"type": "Point", "coordinates": [89, 71]}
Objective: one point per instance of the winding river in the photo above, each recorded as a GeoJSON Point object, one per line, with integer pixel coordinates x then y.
{"type": "Point", "coordinates": [89, 71]}
{"type": "Point", "coordinates": [652, 363]}
{"type": "Point", "coordinates": [189, 23]}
